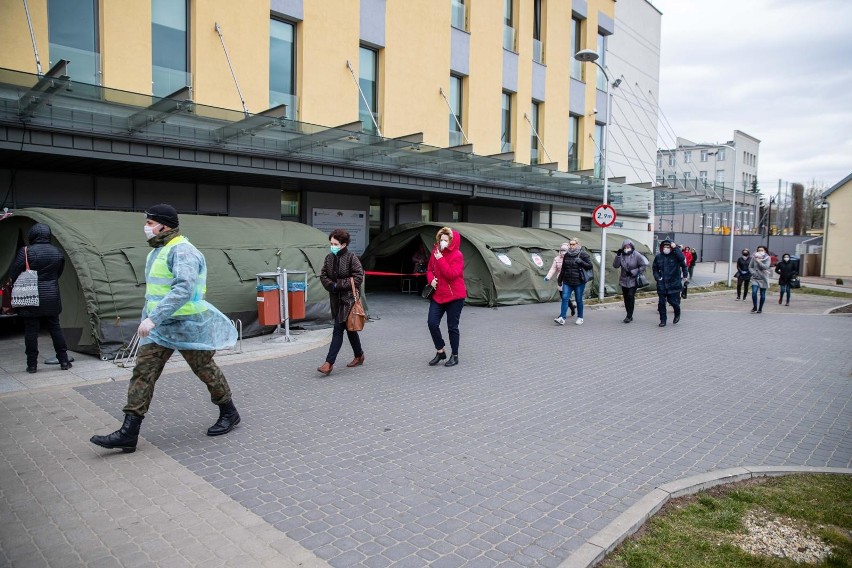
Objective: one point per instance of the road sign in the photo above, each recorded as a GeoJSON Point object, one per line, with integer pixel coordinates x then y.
{"type": "Point", "coordinates": [604, 216]}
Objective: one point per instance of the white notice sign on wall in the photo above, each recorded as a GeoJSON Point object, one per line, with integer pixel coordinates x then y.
{"type": "Point", "coordinates": [355, 222]}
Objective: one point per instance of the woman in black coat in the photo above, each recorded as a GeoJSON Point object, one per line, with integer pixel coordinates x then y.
{"type": "Point", "coordinates": [48, 261]}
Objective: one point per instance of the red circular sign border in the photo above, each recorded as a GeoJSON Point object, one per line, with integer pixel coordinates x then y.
{"type": "Point", "coordinates": [594, 216]}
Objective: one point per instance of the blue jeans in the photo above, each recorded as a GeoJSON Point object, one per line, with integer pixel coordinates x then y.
{"type": "Point", "coordinates": [578, 297]}
{"type": "Point", "coordinates": [754, 289]}
{"type": "Point", "coordinates": [785, 289]}
{"type": "Point", "coordinates": [436, 312]}
{"type": "Point", "coordinates": [337, 341]}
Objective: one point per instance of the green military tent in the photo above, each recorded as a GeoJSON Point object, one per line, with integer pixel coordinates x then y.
{"type": "Point", "coordinates": [503, 265]}
{"type": "Point", "coordinates": [103, 286]}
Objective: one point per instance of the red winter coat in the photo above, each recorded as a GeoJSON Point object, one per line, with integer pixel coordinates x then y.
{"type": "Point", "coordinates": [688, 256]}
{"type": "Point", "coordinates": [449, 270]}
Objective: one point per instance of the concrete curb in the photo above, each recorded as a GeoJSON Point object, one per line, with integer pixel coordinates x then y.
{"type": "Point", "coordinates": [607, 539]}
{"type": "Point", "coordinates": [829, 310]}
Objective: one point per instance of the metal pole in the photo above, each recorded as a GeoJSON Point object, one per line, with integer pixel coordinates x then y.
{"type": "Point", "coordinates": [733, 218]}
{"type": "Point", "coordinates": [32, 37]}
{"type": "Point", "coordinates": [218, 29]}
{"type": "Point", "coordinates": [601, 288]}
{"type": "Point", "coordinates": [364, 98]}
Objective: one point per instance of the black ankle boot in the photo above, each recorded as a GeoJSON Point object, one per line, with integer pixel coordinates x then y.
{"type": "Point", "coordinates": [228, 418]}
{"type": "Point", "coordinates": [124, 438]}
{"type": "Point", "coordinates": [439, 356]}
{"type": "Point", "coordinates": [452, 361]}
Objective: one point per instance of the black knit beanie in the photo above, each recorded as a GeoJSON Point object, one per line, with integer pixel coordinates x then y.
{"type": "Point", "coordinates": [165, 214]}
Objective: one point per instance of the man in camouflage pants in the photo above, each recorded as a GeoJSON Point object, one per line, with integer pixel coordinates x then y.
{"type": "Point", "coordinates": [175, 317]}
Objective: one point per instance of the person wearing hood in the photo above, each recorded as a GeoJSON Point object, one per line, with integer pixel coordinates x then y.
{"type": "Point", "coordinates": [48, 261]}
{"type": "Point", "coordinates": [687, 254]}
{"type": "Point", "coordinates": [340, 272]}
{"type": "Point", "coordinates": [631, 264]}
{"type": "Point", "coordinates": [758, 266]}
{"type": "Point", "coordinates": [787, 271]}
{"type": "Point", "coordinates": [175, 317]}
{"type": "Point", "coordinates": [670, 272]}
{"type": "Point", "coordinates": [573, 277]}
{"type": "Point", "coordinates": [445, 273]}
{"type": "Point", "coordinates": [556, 269]}
{"type": "Point", "coordinates": [743, 273]}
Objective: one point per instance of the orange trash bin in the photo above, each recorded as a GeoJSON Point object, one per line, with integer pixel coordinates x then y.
{"type": "Point", "coordinates": [268, 304]}
{"type": "Point", "coordinates": [296, 299]}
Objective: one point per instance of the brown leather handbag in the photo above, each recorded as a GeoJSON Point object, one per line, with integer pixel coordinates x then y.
{"type": "Point", "coordinates": [357, 316]}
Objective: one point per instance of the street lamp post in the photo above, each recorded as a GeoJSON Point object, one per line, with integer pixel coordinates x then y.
{"type": "Point", "coordinates": [591, 56]}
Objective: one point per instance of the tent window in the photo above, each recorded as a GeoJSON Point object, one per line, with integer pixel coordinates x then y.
{"type": "Point", "coordinates": [248, 263]}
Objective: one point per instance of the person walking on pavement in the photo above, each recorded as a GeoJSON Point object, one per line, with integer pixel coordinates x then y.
{"type": "Point", "coordinates": [556, 269]}
{"type": "Point", "coordinates": [670, 272]}
{"type": "Point", "coordinates": [573, 276]}
{"type": "Point", "coordinates": [340, 272]}
{"type": "Point", "coordinates": [48, 261]}
{"type": "Point", "coordinates": [175, 317]}
{"type": "Point", "coordinates": [446, 274]}
{"type": "Point", "coordinates": [743, 273]}
{"type": "Point", "coordinates": [787, 270]}
{"type": "Point", "coordinates": [631, 264]}
{"type": "Point", "coordinates": [758, 266]}
{"type": "Point", "coordinates": [693, 262]}
{"type": "Point", "coordinates": [687, 255]}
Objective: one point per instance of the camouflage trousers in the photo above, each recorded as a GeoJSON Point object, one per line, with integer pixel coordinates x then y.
{"type": "Point", "coordinates": [149, 365]}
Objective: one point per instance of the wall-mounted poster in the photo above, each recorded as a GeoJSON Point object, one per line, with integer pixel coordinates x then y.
{"type": "Point", "coordinates": [355, 222]}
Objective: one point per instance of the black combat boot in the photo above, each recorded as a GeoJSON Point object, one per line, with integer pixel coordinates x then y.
{"type": "Point", "coordinates": [124, 438]}
{"type": "Point", "coordinates": [228, 418]}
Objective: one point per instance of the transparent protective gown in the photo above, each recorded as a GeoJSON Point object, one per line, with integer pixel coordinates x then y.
{"type": "Point", "coordinates": [208, 329]}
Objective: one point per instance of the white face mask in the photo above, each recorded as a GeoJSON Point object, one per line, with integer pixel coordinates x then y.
{"type": "Point", "coordinates": [444, 244]}
{"type": "Point", "coordinates": [149, 232]}
{"type": "Point", "coordinates": [628, 250]}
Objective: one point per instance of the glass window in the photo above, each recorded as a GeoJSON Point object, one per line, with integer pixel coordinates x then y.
{"type": "Point", "coordinates": [703, 155]}
{"type": "Point", "coordinates": [601, 84]}
{"type": "Point", "coordinates": [599, 131]}
{"type": "Point", "coordinates": [702, 175]}
{"type": "Point", "coordinates": [576, 66]}
{"type": "Point", "coordinates": [456, 137]}
{"type": "Point", "coordinates": [659, 161]}
{"type": "Point", "coordinates": [538, 52]}
{"type": "Point", "coordinates": [506, 123]}
{"type": "Point", "coordinates": [426, 212]}
{"type": "Point", "coordinates": [534, 112]}
{"type": "Point", "coordinates": [687, 175]}
{"type": "Point", "coordinates": [508, 25]}
{"type": "Point", "coordinates": [169, 51]}
{"type": "Point", "coordinates": [672, 159]}
{"type": "Point", "coordinates": [368, 81]}
{"type": "Point", "coordinates": [720, 176]}
{"type": "Point", "coordinates": [573, 139]}
{"type": "Point", "coordinates": [687, 157]}
{"type": "Point", "coordinates": [290, 204]}
{"type": "Point", "coordinates": [72, 28]}
{"type": "Point", "coordinates": [720, 154]}
{"type": "Point", "coordinates": [459, 16]}
{"type": "Point", "coordinates": [282, 66]}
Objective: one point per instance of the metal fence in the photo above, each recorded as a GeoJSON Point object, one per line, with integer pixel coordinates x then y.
{"type": "Point", "coordinates": [717, 247]}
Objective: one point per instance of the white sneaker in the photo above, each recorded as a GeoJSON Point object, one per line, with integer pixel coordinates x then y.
{"type": "Point", "coordinates": [579, 321]}
{"type": "Point", "coordinates": [560, 320]}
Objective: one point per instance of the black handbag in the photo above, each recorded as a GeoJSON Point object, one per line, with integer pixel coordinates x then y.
{"type": "Point", "coordinates": [641, 280]}
{"type": "Point", "coordinates": [428, 289]}
{"type": "Point", "coordinates": [795, 282]}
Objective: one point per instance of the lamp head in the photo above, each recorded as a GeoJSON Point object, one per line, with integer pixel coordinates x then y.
{"type": "Point", "coordinates": [586, 56]}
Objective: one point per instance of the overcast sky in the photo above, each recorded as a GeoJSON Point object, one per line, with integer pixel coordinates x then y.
{"type": "Point", "coordinates": [778, 70]}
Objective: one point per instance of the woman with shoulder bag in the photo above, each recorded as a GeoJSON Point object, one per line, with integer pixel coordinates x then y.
{"type": "Point", "coordinates": [556, 269]}
{"type": "Point", "coordinates": [787, 271]}
{"type": "Point", "coordinates": [573, 275]}
{"type": "Point", "coordinates": [340, 272]}
{"type": "Point", "coordinates": [445, 273]}
{"type": "Point", "coordinates": [48, 262]}
{"type": "Point", "coordinates": [759, 268]}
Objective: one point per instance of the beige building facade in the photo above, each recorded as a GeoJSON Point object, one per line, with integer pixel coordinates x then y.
{"type": "Point", "coordinates": [836, 252]}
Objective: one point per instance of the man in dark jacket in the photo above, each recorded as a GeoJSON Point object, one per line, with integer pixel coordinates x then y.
{"type": "Point", "coordinates": [787, 270]}
{"type": "Point", "coordinates": [670, 272]}
{"type": "Point", "coordinates": [743, 273]}
{"type": "Point", "coordinates": [48, 261]}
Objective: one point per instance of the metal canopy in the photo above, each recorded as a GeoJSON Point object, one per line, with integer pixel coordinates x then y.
{"type": "Point", "coordinates": [45, 89]}
{"type": "Point", "coordinates": [177, 120]}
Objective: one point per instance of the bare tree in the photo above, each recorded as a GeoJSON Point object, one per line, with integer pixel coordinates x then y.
{"type": "Point", "coordinates": [813, 215]}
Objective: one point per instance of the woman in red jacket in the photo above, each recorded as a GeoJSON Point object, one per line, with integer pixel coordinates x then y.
{"type": "Point", "coordinates": [446, 274]}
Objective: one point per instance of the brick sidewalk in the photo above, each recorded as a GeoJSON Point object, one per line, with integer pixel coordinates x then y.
{"type": "Point", "coordinates": [538, 439]}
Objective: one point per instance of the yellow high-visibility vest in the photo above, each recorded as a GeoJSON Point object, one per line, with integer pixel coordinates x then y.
{"type": "Point", "coordinates": [159, 280]}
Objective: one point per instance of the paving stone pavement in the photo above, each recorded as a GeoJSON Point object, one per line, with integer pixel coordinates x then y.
{"type": "Point", "coordinates": [540, 437]}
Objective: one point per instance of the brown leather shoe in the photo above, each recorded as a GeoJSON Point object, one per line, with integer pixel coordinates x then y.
{"type": "Point", "coordinates": [356, 361]}
{"type": "Point", "coordinates": [326, 368]}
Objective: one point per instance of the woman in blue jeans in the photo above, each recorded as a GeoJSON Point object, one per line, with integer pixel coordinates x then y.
{"type": "Point", "coordinates": [572, 277]}
{"type": "Point", "coordinates": [759, 268]}
{"type": "Point", "coordinates": [445, 273]}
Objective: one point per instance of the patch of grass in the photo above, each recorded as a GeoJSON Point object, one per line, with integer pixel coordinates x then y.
{"type": "Point", "coordinates": [698, 530]}
{"type": "Point", "coordinates": [818, 292]}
